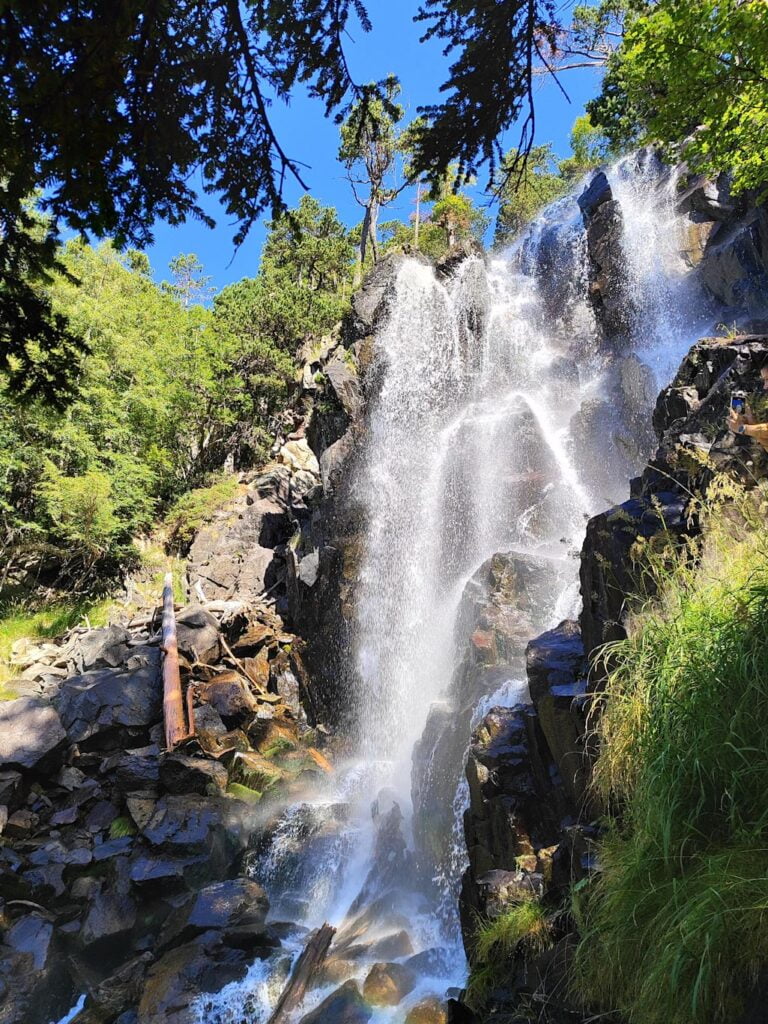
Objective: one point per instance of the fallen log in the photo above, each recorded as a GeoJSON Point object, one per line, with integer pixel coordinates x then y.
{"type": "Point", "coordinates": [173, 704]}
{"type": "Point", "coordinates": [310, 961]}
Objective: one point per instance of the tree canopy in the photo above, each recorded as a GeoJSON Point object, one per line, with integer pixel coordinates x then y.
{"type": "Point", "coordinates": [693, 76]}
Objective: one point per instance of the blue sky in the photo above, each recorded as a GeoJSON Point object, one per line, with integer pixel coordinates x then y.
{"type": "Point", "coordinates": [392, 46]}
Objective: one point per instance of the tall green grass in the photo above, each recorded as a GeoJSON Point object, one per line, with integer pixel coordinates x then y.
{"type": "Point", "coordinates": [524, 926]}
{"type": "Point", "coordinates": [675, 927]}
{"type": "Point", "coordinates": [18, 622]}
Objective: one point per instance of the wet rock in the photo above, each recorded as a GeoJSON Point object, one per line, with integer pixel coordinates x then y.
{"type": "Point", "coordinates": [102, 700]}
{"type": "Point", "coordinates": [180, 773]}
{"type": "Point", "coordinates": [557, 679]}
{"type": "Point", "coordinates": [608, 290]}
{"type": "Point", "coordinates": [344, 1006]}
{"type": "Point", "coordinates": [391, 861]}
{"type": "Point", "coordinates": [182, 975]}
{"type": "Point", "coordinates": [370, 303]}
{"type": "Point", "coordinates": [609, 573]}
{"type": "Point", "coordinates": [595, 194]}
{"type": "Point", "coordinates": [428, 1011]}
{"type": "Point", "coordinates": [31, 733]}
{"type": "Point", "coordinates": [388, 984]}
{"type": "Point", "coordinates": [517, 804]}
{"type": "Point", "coordinates": [117, 994]}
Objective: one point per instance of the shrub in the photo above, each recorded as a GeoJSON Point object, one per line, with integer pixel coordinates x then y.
{"type": "Point", "coordinates": [194, 508]}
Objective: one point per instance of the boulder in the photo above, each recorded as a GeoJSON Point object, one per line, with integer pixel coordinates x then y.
{"type": "Point", "coordinates": [428, 1011]}
{"type": "Point", "coordinates": [388, 984]}
{"type": "Point", "coordinates": [103, 700]}
{"type": "Point", "coordinates": [31, 733]}
{"type": "Point", "coordinates": [197, 635]}
{"type": "Point", "coordinates": [344, 1006]}
{"type": "Point", "coordinates": [297, 455]}
{"type": "Point", "coordinates": [180, 773]}
{"type": "Point", "coordinates": [236, 908]}
{"type": "Point", "coordinates": [178, 979]}
{"type": "Point", "coordinates": [102, 647]}
{"type": "Point", "coordinates": [229, 695]}
{"type": "Point", "coordinates": [188, 823]}
{"type": "Point", "coordinates": [109, 922]}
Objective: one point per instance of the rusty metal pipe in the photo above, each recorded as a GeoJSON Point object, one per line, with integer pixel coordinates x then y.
{"type": "Point", "coordinates": [173, 703]}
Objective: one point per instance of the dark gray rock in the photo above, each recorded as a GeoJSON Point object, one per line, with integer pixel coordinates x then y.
{"type": "Point", "coordinates": [110, 920]}
{"type": "Point", "coordinates": [595, 194]}
{"type": "Point", "coordinates": [102, 700]}
{"type": "Point", "coordinates": [180, 773]}
{"type": "Point", "coordinates": [237, 908]}
{"type": "Point", "coordinates": [31, 934]}
{"type": "Point", "coordinates": [557, 680]}
{"type": "Point", "coordinates": [517, 806]}
{"type": "Point", "coordinates": [182, 975]}
{"type": "Point", "coordinates": [31, 733]}
{"type": "Point", "coordinates": [102, 647]}
{"type": "Point", "coordinates": [192, 824]}
{"type": "Point", "coordinates": [197, 634]}
{"type": "Point", "coordinates": [608, 574]}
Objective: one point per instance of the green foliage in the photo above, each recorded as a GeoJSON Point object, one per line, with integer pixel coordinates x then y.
{"type": "Point", "coordinates": [166, 395]}
{"type": "Point", "coordinates": [52, 620]}
{"type": "Point", "coordinates": [694, 77]}
{"type": "Point", "coordinates": [303, 286]}
{"type": "Point", "coordinates": [122, 827]}
{"type": "Point", "coordinates": [524, 195]}
{"type": "Point", "coordinates": [170, 93]}
{"type": "Point", "coordinates": [370, 143]}
{"type": "Point", "coordinates": [590, 147]}
{"type": "Point", "coordinates": [525, 924]}
{"type": "Point", "coordinates": [675, 926]}
{"type": "Point", "coordinates": [191, 510]}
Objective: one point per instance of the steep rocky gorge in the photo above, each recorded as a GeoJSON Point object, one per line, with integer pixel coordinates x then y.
{"type": "Point", "coordinates": [336, 590]}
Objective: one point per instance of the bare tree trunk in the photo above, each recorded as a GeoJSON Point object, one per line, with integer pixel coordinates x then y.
{"type": "Point", "coordinates": [418, 216]}
{"type": "Point", "coordinates": [308, 964]}
{"type": "Point", "coordinates": [374, 219]}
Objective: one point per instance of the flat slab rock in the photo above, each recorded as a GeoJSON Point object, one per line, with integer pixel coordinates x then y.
{"type": "Point", "coordinates": [30, 731]}
{"type": "Point", "coordinates": [104, 699]}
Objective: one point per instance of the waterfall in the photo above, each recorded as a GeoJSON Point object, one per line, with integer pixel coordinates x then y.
{"type": "Point", "coordinates": [502, 419]}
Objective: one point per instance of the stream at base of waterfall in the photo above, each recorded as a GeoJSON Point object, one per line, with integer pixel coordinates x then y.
{"type": "Point", "coordinates": [502, 419]}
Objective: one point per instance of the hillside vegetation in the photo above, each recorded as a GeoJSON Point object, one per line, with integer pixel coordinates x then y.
{"type": "Point", "coordinates": [675, 926]}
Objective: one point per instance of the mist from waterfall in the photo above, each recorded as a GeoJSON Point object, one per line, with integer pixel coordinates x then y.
{"type": "Point", "coordinates": [499, 422]}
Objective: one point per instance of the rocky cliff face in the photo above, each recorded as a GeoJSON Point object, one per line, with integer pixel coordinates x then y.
{"type": "Point", "coordinates": [531, 820]}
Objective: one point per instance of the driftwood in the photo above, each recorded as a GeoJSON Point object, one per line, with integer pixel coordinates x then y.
{"type": "Point", "coordinates": [173, 704]}
{"type": "Point", "coordinates": [310, 961]}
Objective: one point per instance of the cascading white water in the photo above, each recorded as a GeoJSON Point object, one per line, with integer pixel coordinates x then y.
{"type": "Point", "coordinates": [496, 426]}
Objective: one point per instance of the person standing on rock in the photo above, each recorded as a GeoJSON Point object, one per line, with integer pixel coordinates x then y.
{"type": "Point", "coordinates": [753, 421]}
